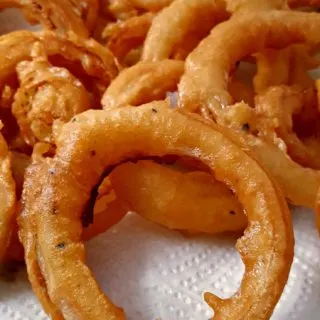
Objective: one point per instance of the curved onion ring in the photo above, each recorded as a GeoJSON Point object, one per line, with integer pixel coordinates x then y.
{"type": "Point", "coordinates": [175, 24]}
{"type": "Point", "coordinates": [97, 61]}
{"type": "Point", "coordinates": [7, 198]}
{"type": "Point", "coordinates": [193, 202]}
{"type": "Point", "coordinates": [205, 82]}
{"type": "Point", "coordinates": [152, 130]}
{"type": "Point", "coordinates": [57, 14]}
{"type": "Point", "coordinates": [142, 83]}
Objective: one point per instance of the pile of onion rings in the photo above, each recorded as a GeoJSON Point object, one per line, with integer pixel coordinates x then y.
{"type": "Point", "coordinates": [211, 101]}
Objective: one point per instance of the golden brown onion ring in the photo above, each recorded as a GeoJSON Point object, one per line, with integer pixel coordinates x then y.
{"type": "Point", "coordinates": [142, 83]}
{"type": "Point", "coordinates": [97, 61]}
{"type": "Point", "coordinates": [60, 15]}
{"type": "Point", "coordinates": [205, 82]}
{"type": "Point", "coordinates": [126, 35]}
{"type": "Point", "coordinates": [7, 198]}
{"type": "Point", "coordinates": [174, 24]}
{"type": "Point", "coordinates": [193, 202]}
{"type": "Point", "coordinates": [152, 130]}
{"type": "Point", "coordinates": [107, 214]}
{"type": "Point", "coordinates": [46, 94]}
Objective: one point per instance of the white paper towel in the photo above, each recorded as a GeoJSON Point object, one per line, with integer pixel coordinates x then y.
{"type": "Point", "coordinates": [154, 273]}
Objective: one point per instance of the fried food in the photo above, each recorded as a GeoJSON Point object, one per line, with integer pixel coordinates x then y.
{"type": "Point", "coordinates": [77, 53]}
{"type": "Point", "coordinates": [60, 15]}
{"type": "Point", "coordinates": [240, 6]}
{"type": "Point", "coordinates": [187, 18]}
{"type": "Point", "coordinates": [193, 202]}
{"type": "Point", "coordinates": [142, 83]}
{"type": "Point", "coordinates": [151, 5]}
{"type": "Point", "coordinates": [278, 105]}
{"type": "Point", "coordinates": [46, 94]}
{"type": "Point", "coordinates": [126, 9]}
{"type": "Point", "coordinates": [204, 84]}
{"type": "Point", "coordinates": [7, 198]}
{"type": "Point", "coordinates": [124, 36]}
{"type": "Point", "coordinates": [121, 9]}
{"type": "Point", "coordinates": [271, 154]}
{"type": "Point", "coordinates": [151, 130]}
{"type": "Point", "coordinates": [288, 66]}
{"type": "Point", "coordinates": [20, 162]}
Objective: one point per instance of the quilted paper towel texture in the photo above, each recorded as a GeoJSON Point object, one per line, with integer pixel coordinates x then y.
{"type": "Point", "coordinates": [154, 273]}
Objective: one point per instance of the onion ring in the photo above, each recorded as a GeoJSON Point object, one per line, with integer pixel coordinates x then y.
{"type": "Point", "coordinates": [267, 246]}
{"type": "Point", "coordinates": [209, 205]}
{"type": "Point", "coordinates": [55, 14]}
{"type": "Point", "coordinates": [142, 83]}
{"type": "Point", "coordinates": [46, 94]}
{"type": "Point", "coordinates": [185, 17]}
{"type": "Point", "coordinates": [7, 198]}
{"type": "Point", "coordinates": [205, 82]}
{"type": "Point", "coordinates": [97, 61]}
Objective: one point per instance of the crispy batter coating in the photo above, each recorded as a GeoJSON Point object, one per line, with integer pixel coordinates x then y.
{"type": "Point", "coordinates": [205, 82]}
{"type": "Point", "coordinates": [142, 83]}
{"type": "Point", "coordinates": [46, 94]}
{"type": "Point", "coordinates": [193, 202]}
{"type": "Point", "coordinates": [266, 247]}
{"type": "Point", "coordinates": [174, 25]}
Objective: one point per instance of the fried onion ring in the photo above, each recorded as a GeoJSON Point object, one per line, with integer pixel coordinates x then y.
{"type": "Point", "coordinates": [97, 61]}
{"type": "Point", "coordinates": [174, 24]}
{"type": "Point", "coordinates": [142, 83]}
{"type": "Point", "coordinates": [61, 15]}
{"type": "Point", "coordinates": [193, 202]}
{"type": "Point", "coordinates": [205, 82]}
{"type": "Point", "coordinates": [46, 94]}
{"type": "Point", "coordinates": [152, 130]}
